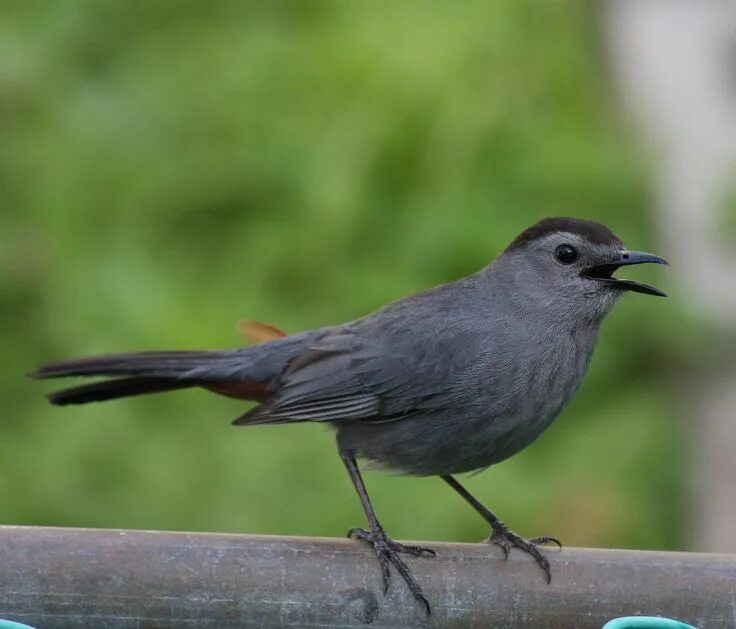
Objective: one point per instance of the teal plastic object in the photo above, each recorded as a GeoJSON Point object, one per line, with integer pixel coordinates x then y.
{"type": "Point", "coordinates": [643, 622]}
{"type": "Point", "coordinates": [9, 624]}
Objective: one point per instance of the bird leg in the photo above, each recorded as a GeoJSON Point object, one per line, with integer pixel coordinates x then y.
{"type": "Point", "coordinates": [386, 549]}
{"type": "Point", "coordinates": [502, 536]}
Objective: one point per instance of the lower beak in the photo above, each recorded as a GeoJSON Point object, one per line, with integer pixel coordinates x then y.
{"type": "Point", "coordinates": [604, 272]}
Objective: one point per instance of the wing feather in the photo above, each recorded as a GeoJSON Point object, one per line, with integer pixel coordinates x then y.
{"type": "Point", "coordinates": [319, 385]}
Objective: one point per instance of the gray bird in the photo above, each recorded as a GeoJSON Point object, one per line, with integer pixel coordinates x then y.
{"type": "Point", "coordinates": [449, 380]}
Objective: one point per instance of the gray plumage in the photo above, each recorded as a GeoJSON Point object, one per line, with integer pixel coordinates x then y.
{"type": "Point", "coordinates": [449, 380]}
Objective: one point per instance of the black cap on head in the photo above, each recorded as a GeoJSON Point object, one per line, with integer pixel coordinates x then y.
{"type": "Point", "coordinates": [591, 230]}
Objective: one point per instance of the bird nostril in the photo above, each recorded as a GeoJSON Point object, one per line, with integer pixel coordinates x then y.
{"type": "Point", "coordinates": [625, 256]}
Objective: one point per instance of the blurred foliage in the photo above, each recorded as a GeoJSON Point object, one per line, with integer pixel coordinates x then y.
{"type": "Point", "coordinates": [167, 168]}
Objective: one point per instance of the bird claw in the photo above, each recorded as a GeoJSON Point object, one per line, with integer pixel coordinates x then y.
{"type": "Point", "coordinates": [387, 552]}
{"type": "Point", "coordinates": [546, 539]}
{"type": "Point", "coordinates": [506, 539]}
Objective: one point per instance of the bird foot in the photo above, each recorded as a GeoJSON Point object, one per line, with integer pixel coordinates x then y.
{"type": "Point", "coordinates": [388, 552]}
{"type": "Point", "coordinates": [506, 539]}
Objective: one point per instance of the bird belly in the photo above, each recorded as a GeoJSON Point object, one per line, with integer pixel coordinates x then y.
{"type": "Point", "coordinates": [462, 437]}
{"type": "Point", "coordinates": [438, 444]}
{"type": "Point", "coordinates": [484, 415]}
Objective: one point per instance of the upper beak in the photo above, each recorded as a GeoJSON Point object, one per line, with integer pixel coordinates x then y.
{"type": "Point", "coordinates": [604, 272]}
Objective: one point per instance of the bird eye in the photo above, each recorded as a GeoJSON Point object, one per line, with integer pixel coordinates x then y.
{"type": "Point", "coordinates": [566, 254]}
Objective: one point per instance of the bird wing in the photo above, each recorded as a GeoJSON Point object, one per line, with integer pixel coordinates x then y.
{"type": "Point", "coordinates": [319, 385]}
{"type": "Point", "coordinates": [350, 376]}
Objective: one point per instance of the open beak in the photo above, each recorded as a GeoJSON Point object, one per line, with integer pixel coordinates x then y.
{"type": "Point", "coordinates": [604, 272]}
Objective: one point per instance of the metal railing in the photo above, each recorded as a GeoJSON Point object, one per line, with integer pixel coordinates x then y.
{"type": "Point", "coordinates": [84, 578]}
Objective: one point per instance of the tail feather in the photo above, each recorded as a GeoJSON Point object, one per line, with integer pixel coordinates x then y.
{"type": "Point", "coordinates": [174, 364]}
{"type": "Point", "coordinates": [225, 372]}
{"type": "Point", "coordinates": [244, 373]}
{"type": "Point", "coordinates": [113, 389]}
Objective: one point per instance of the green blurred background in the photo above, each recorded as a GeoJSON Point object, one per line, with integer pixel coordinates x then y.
{"type": "Point", "coordinates": [169, 168]}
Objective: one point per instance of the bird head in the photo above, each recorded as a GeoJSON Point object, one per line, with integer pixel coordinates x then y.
{"type": "Point", "coordinates": [567, 265]}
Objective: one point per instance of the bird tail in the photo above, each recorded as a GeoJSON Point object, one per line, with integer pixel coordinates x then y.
{"type": "Point", "coordinates": [175, 364]}
{"type": "Point", "coordinates": [113, 389]}
{"type": "Point", "coordinates": [154, 372]}
{"type": "Point", "coordinates": [245, 373]}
